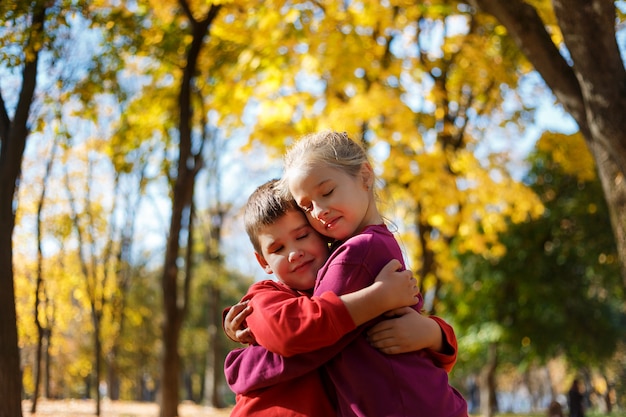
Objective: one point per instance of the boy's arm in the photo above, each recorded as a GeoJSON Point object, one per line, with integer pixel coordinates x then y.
{"type": "Point", "coordinates": [290, 325]}
{"type": "Point", "coordinates": [254, 367]}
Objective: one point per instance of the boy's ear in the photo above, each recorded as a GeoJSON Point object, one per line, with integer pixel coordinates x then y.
{"type": "Point", "coordinates": [261, 260]}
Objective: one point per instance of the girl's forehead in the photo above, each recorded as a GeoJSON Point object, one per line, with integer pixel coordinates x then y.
{"type": "Point", "coordinates": [313, 174]}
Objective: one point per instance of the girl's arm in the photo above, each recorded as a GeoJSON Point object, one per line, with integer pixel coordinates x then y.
{"type": "Point", "coordinates": [281, 320]}
{"type": "Point", "coordinates": [409, 330]}
{"type": "Point", "coordinates": [393, 288]}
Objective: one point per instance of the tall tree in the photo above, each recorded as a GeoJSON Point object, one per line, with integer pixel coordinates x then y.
{"type": "Point", "coordinates": [41, 310]}
{"type": "Point", "coordinates": [588, 79]}
{"type": "Point", "coordinates": [13, 135]}
{"type": "Point", "coordinates": [189, 163]}
{"type": "Point", "coordinates": [200, 66]}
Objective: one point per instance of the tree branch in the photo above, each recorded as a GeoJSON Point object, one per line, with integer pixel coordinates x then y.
{"type": "Point", "coordinates": [527, 29]}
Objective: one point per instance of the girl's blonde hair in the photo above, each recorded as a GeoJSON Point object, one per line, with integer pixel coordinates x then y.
{"type": "Point", "coordinates": [327, 148]}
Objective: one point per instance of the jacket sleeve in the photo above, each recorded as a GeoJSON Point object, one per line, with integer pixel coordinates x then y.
{"type": "Point", "coordinates": [288, 324]}
{"type": "Point", "coordinates": [446, 359]}
{"type": "Point", "coordinates": [254, 367]}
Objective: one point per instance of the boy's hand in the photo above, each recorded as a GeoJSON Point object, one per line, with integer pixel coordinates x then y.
{"type": "Point", "coordinates": [235, 323]}
{"type": "Point", "coordinates": [397, 288]}
{"type": "Point", "coordinates": [407, 331]}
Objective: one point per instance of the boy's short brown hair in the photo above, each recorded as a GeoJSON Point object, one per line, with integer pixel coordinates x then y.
{"type": "Point", "coordinates": [264, 207]}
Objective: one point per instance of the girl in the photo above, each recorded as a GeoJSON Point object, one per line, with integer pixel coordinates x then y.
{"type": "Point", "coordinates": [330, 178]}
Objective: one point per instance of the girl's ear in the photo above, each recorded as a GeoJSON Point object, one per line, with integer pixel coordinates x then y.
{"type": "Point", "coordinates": [261, 260]}
{"type": "Point", "coordinates": [367, 174]}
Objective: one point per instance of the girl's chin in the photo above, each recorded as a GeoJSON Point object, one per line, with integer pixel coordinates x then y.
{"type": "Point", "coordinates": [337, 234]}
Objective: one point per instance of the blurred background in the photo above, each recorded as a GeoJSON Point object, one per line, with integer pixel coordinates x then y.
{"type": "Point", "coordinates": [133, 133]}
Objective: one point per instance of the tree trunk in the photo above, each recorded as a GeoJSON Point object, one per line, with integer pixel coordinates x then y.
{"type": "Point", "coordinates": [40, 289]}
{"type": "Point", "coordinates": [46, 363]}
{"type": "Point", "coordinates": [10, 376]}
{"type": "Point", "coordinates": [170, 376]}
{"type": "Point", "coordinates": [174, 313]}
{"type": "Point", "coordinates": [213, 371]}
{"type": "Point", "coordinates": [13, 135]}
{"type": "Point", "coordinates": [41, 335]}
{"type": "Point", "coordinates": [592, 90]}
{"type": "Point", "coordinates": [488, 402]}
{"type": "Point", "coordinates": [589, 32]}
{"type": "Point", "coordinates": [98, 355]}
{"type": "Point", "coordinates": [113, 377]}
{"type": "Point", "coordinates": [182, 197]}
{"type": "Point", "coordinates": [96, 298]}
{"type": "Point", "coordinates": [38, 354]}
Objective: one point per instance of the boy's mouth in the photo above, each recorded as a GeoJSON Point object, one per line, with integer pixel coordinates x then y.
{"type": "Point", "coordinates": [302, 265]}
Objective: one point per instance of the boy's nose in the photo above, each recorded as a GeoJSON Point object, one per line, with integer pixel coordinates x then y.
{"type": "Point", "coordinates": [294, 255]}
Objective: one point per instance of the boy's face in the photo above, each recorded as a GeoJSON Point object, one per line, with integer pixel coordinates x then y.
{"type": "Point", "coordinates": [292, 250]}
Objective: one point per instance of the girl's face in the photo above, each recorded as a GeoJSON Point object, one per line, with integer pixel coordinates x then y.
{"type": "Point", "coordinates": [338, 204]}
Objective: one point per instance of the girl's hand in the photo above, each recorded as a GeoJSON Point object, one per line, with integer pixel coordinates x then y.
{"type": "Point", "coordinates": [235, 323]}
{"type": "Point", "coordinates": [396, 287]}
{"type": "Point", "coordinates": [407, 331]}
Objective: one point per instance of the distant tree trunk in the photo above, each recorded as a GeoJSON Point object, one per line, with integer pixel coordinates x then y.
{"type": "Point", "coordinates": [488, 401]}
{"type": "Point", "coordinates": [607, 395]}
{"type": "Point", "coordinates": [94, 286]}
{"type": "Point", "coordinates": [428, 256]}
{"type": "Point", "coordinates": [553, 391]}
{"type": "Point", "coordinates": [42, 376]}
{"type": "Point", "coordinates": [174, 309]}
{"type": "Point", "coordinates": [40, 337]}
{"type": "Point", "coordinates": [98, 354]}
{"type": "Point", "coordinates": [41, 297]}
{"type": "Point", "coordinates": [121, 262]}
{"type": "Point", "coordinates": [46, 363]}
{"type": "Point", "coordinates": [13, 135]}
{"type": "Point", "coordinates": [113, 379]}
{"type": "Point", "coordinates": [213, 371]}
{"type": "Point", "coordinates": [182, 197]}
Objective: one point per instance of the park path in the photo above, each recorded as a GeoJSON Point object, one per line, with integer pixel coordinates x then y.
{"type": "Point", "coordinates": [80, 408]}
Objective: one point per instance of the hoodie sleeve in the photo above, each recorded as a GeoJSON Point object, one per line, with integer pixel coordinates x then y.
{"type": "Point", "coordinates": [289, 323]}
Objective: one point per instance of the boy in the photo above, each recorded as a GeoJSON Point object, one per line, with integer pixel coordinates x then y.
{"type": "Point", "coordinates": [286, 245]}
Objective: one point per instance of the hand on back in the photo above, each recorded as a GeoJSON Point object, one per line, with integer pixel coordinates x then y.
{"type": "Point", "coordinates": [397, 287]}
{"type": "Point", "coordinates": [235, 323]}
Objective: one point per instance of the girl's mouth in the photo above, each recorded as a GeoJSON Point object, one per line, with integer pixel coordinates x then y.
{"type": "Point", "coordinates": [331, 224]}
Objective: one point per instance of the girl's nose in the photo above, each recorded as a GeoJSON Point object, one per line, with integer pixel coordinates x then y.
{"type": "Point", "coordinates": [319, 212]}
